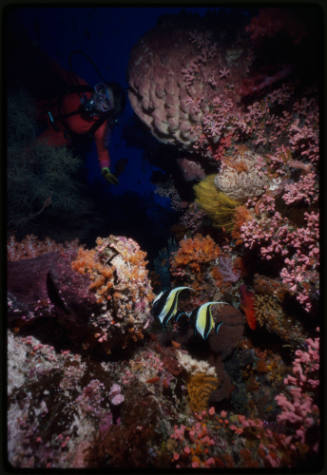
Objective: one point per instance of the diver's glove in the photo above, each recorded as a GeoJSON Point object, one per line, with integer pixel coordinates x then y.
{"type": "Point", "coordinates": [110, 177]}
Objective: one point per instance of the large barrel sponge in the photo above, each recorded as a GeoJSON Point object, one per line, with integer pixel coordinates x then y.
{"type": "Point", "coordinates": [183, 84]}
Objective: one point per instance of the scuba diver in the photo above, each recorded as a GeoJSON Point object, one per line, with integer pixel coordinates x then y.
{"type": "Point", "coordinates": [67, 107]}
{"type": "Point", "coordinates": [84, 111]}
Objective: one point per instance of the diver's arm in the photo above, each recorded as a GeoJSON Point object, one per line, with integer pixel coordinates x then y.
{"type": "Point", "coordinates": [103, 153]}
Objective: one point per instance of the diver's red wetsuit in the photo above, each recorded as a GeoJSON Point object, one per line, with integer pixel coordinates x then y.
{"type": "Point", "coordinates": [78, 124]}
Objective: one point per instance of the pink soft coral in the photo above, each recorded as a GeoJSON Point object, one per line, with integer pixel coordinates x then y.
{"type": "Point", "coordinates": [298, 402]}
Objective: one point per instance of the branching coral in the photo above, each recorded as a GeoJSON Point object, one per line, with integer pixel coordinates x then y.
{"type": "Point", "coordinates": [228, 440]}
{"type": "Point", "coordinates": [298, 246]}
{"type": "Point", "coordinates": [218, 205]}
{"type": "Point", "coordinates": [300, 412]}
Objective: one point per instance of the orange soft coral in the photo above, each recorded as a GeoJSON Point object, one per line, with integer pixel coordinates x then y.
{"type": "Point", "coordinates": [194, 252]}
{"type": "Point", "coordinates": [191, 266]}
{"type": "Point", "coordinates": [101, 275]}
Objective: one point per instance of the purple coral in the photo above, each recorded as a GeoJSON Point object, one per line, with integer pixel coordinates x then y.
{"type": "Point", "coordinates": [115, 395]}
{"type": "Point", "coordinates": [226, 269]}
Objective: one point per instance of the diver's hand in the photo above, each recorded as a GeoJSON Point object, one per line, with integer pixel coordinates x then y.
{"type": "Point", "coordinates": [110, 177]}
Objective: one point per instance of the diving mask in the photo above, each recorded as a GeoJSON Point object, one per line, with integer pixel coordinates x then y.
{"type": "Point", "coordinates": [103, 98]}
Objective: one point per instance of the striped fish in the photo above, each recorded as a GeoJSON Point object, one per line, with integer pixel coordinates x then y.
{"type": "Point", "coordinates": [203, 320]}
{"type": "Point", "coordinates": [164, 306]}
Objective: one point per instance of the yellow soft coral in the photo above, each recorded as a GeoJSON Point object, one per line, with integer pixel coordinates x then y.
{"type": "Point", "coordinates": [216, 204]}
{"type": "Point", "coordinates": [199, 388]}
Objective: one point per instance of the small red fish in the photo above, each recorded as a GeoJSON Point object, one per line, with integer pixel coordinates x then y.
{"type": "Point", "coordinates": [248, 306]}
{"type": "Point", "coordinates": [175, 344]}
{"type": "Point", "coordinates": [153, 380]}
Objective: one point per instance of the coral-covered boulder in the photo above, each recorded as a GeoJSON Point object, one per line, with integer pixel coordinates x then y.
{"type": "Point", "coordinates": [101, 296]}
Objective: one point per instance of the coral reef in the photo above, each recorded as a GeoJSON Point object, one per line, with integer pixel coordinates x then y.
{"type": "Point", "coordinates": [161, 264]}
{"type": "Point", "coordinates": [192, 171]}
{"type": "Point", "coordinates": [194, 366]}
{"type": "Point", "coordinates": [300, 412]}
{"type": "Point", "coordinates": [53, 291]}
{"type": "Point", "coordinates": [191, 220]}
{"type": "Point", "coordinates": [94, 380]}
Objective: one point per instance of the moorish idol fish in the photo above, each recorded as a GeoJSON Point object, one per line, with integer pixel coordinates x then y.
{"type": "Point", "coordinates": [165, 304]}
{"type": "Point", "coordinates": [203, 319]}
{"type": "Point", "coordinates": [182, 314]}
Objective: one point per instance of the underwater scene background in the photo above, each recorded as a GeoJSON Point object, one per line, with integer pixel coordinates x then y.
{"type": "Point", "coordinates": [163, 237]}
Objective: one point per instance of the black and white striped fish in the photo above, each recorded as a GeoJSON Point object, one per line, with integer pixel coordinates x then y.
{"type": "Point", "coordinates": [203, 321]}
{"type": "Point", "coordinates": [164, 306]}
